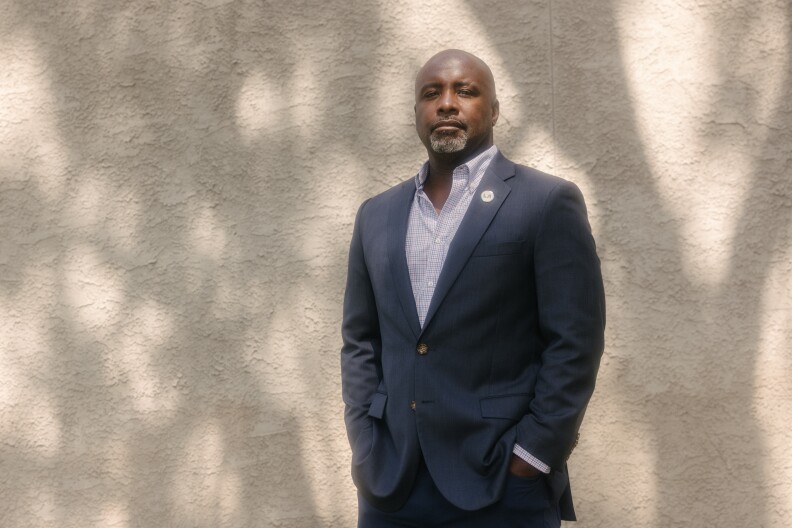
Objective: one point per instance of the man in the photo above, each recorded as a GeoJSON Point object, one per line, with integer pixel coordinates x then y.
{"type": "Point", "coordinates": [473, 326]}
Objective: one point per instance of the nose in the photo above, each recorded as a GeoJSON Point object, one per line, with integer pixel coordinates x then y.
{"type": "Point", "coordinates": [447, 102]}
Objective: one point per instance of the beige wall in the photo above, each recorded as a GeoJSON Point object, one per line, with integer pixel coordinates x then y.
{"type": "Point", "coordinates": [177, 186]}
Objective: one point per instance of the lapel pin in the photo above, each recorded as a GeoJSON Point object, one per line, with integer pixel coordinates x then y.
{"type": "Point", "coordinates": [487, 196]}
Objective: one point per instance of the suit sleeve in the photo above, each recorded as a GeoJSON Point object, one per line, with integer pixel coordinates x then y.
{"type": "Point", "coordinates": [361, 350]}
{"type": "Point", "coordinates": [571, 307]}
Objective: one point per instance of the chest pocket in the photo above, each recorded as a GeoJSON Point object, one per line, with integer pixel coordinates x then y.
{"type": "Point", "coordinates": [488, 249]}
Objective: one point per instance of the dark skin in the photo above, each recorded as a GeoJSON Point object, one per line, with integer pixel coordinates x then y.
{"type": "Point", "coordinates": [454, 95]}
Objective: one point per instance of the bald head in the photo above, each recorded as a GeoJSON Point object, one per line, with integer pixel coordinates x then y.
{"type": "Point", "coordinates": [457, 58]}
{"type": "Point", "coordinates": [455, 106]}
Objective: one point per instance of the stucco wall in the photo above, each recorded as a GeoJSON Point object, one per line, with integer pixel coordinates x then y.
{"type": "Point", "coordinates": [177, 186]}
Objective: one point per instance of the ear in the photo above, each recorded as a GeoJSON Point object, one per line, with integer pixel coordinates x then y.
{"type": "Point", "coordinates": [495, 111]}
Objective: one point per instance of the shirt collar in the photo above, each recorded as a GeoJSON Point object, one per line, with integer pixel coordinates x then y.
{"type": "Point", "coordinates": [472, 165]}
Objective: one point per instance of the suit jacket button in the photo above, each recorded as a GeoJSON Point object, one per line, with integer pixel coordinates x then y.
{"type": "Point", "coordinates": [423, 349]}
{"type": "Point", "coordinates": [412, 405]}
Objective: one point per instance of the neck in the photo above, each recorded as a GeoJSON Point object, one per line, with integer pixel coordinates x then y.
{"type": "Point", "coordinates": [442, 165]}
{"type": "Point", "coordinates": [441, 170]}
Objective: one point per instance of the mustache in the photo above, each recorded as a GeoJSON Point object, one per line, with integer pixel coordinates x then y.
{"type": "Point", "coordinates": [448, 122]}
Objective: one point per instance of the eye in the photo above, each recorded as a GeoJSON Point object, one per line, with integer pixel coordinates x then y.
{"type": "Point", "coordinates": [429, 94]}
{"type": "Point", "coordinates": [466, 92]}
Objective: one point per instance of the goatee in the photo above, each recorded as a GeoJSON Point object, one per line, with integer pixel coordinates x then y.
{"type": "Point", "coordinates": [446, 144]}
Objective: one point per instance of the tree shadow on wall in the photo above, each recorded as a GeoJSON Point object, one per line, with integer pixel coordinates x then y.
{"type": "Point", "coordinates": [199, 224]}
{"type": "Point", "coordinates": [191, 403]}
{"type": "Point", "coordinates": [709, 446]}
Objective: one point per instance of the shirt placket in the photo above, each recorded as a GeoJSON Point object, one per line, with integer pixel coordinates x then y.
{"type": "Point", "coordinates": [429, 217]}
{"type": "Point", "coordinates": [444, 230]}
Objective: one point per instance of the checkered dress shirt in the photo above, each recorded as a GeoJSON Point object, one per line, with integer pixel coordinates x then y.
{"type": "Point", "coordinates": [429, 235]}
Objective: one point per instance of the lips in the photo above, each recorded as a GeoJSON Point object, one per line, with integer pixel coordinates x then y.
{"type": "Point", "coordinates": [447, 124]}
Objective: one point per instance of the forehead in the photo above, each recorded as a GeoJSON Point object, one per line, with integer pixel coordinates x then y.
{"type": "Point", "coordinates": [453, 69]}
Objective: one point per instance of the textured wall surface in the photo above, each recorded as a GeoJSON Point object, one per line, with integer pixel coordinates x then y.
{"type": "Point", "coordinates": [177, 186]}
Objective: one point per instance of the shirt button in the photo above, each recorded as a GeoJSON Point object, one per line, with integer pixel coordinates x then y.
{"type": "Point", "coordinates": [430, 284]}
{"type": "Point", "coordinates": [423, 349]}
{"type": "Point", "coordinates": [412, 405]}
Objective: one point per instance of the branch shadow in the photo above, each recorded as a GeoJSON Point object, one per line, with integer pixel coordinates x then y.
{"type": "Point", "coordinates": [665, 365]}
{"type": "Point", "coordinates": [219, 259]}
{"type": "Point", "coordinates": [218, 224]}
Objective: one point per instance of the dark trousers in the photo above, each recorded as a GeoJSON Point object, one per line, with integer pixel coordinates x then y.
{"type": "Point", "coordinates": [525, 504]}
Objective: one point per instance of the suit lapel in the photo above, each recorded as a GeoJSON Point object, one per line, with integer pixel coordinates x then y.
{"type": "Point", "coordinates": [398, 219]}
{"type": "Point", "coordinates": [475, 222]}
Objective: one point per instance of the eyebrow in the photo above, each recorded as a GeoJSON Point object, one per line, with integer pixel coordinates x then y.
{"type": "Point", "coordinates": [456, 84]}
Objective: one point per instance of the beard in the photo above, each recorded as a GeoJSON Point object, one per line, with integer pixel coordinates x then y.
{"type": "Point", "coordinates": [446, 144]}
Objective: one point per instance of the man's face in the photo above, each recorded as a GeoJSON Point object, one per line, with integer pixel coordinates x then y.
{"type": "Point", "coordinates": [455, 105]}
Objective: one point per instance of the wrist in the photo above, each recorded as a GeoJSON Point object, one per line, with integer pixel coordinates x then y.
{"type": "Point", "coordinates": [521, 468]}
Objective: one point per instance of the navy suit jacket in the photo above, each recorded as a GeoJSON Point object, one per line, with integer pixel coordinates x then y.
{"type": "Point", "coordinates": [508, 353]}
